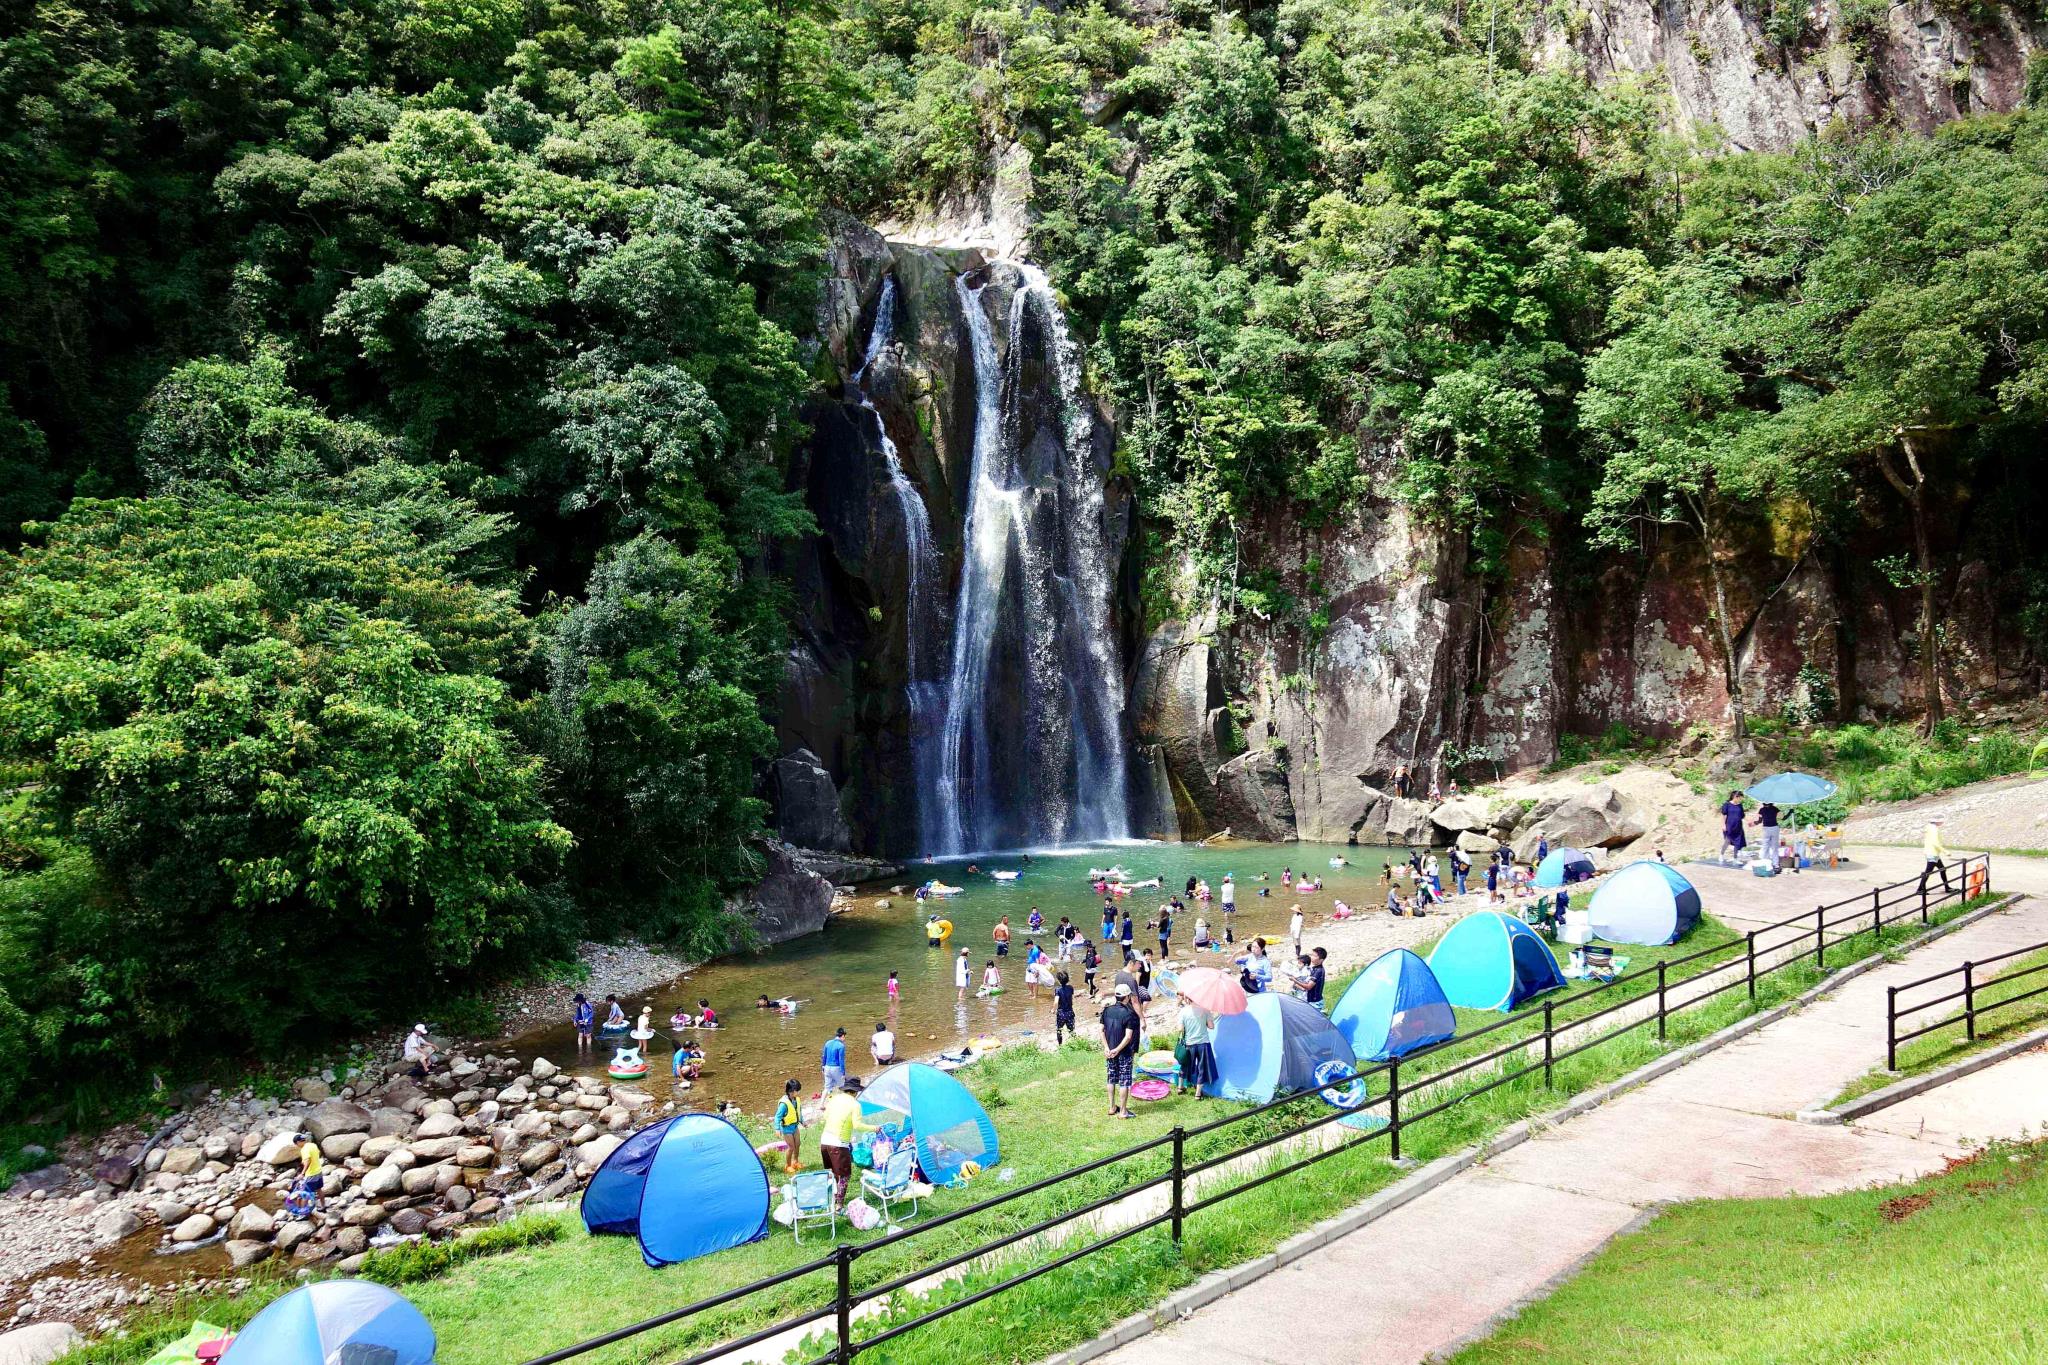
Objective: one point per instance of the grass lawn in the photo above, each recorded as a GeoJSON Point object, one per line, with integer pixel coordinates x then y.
{"type": "Point", "coordinates": [1051, 1113]}
{"type": "Point", "coordinates": [1898, 763]}
{"type": "Point", "coordinates": [1949, 1043]}
{"type": "Point", "coordinates": [1951, 1268]}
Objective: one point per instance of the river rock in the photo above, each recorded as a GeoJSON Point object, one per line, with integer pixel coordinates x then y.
{"type": "Point", "coordinates": [433, 1107]}
{"type": "Point", "coordinates": [291, 1234]}
{"type": "Point", "coordinates": [530, 1124]}
{"type": "Point", "coordinates": [807, 810]}
{"type": "Point", "coordinates": [543, 1069]}
{"type": "Point", "coordinates": [312, 1089]}
{"type": "Point", "coordinates": [243, 1254]}
{"type": "Point", "coordinates": [409, 1222]}
{"type": "Point", "coordinates": [351, 1241]}
{"type": "Point", "coordinates": [116, 1222]}
{"type": "Point", "coordinates": [584, 1134]}
{"type": "Point", "coordinates": [631, 1100]}
{"type": "Point", "coordinates": [390, 1122]}
{"type": "Point", "coordinates": [375, 1150]}
{"type": "Point", "coordinates": [539, 1155]}
{"type": "Point", "coordinates": [592, 1154]}
{"type": "Point", "coordinates": [117, 1171]}
{"type": "Point", "coordinates": [437, 1149]}
{"type": "Point", "coordinates": [420, 1179]}
{"type": "Point", "coordinates": [1408, 822]}
{"type": "Point", "coordinates": [458, 1197]}
{"type": "Point", "coordinates": [789, 901]}
{"type": "Point", "coordinates": [170, 1212]}
{"type": "Point", "coordinates": [251, 1223]}
{"type": "Point", "coordinates": [1599, 817]}
{"type": "Point", "coordinates": [484, 1207]}
{"type": "Point", "coordinates": [384, 1180]}
{"type": "Point", "coordinates": [182, 1161]}
{"type": "Point", "coordinates": [193, 1228]}
{"type": "Point", "coordinates": [280, 1149]}
{"type": "Point", "coordinates": [475, 1156]}
{"type": "Point", "coordinates": [336, 1116]}
{"type": "Point", "coordinates": [437, 1126]}
{"type": "Point", "coordinates": [342, 1146]}
{"type": "Point", "coordinates": [37, 1344]}
{"type": "Point", "coordinates": [1459, 814]}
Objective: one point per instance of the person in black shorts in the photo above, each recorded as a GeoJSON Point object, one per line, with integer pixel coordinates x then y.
{"type": "Point", "coordinates": [1120, 1028]}
{"type": "Point", "coordinates": [1062, 1007]}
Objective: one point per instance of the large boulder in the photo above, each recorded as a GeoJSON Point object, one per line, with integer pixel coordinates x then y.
{"type": "Point", "coordinates": [37, 1344]}
{"type": "Point", "coordinates": [385, 1180]}
{"type": "Point", "coordinates": [1599, 817]}
{"type": "Point", "coordinates": [243, 1254]}
{"type": "Point", "coordinates": [251, 1223]}
{"type": "Point", "coordinates": [789, 902]}
{"type": "Point", "coordinates": [1459, 814]}
{"type": "Point", "coordinates": [336, 1116]}
{"type": "Point", "coordinates": [1408, 822]}
{"type": "Point", "coordinates": [182, 1161]}
{"type": "Point", "coordinates": [807, 811]}
{"type": "Point", "coordinates": [592, 1154]}
{"type": "Point", "coordinates": [1252, 799]}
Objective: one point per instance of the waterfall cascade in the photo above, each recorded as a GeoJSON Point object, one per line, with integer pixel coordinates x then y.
{"type": "Point", "coordinates": [1031, 750]}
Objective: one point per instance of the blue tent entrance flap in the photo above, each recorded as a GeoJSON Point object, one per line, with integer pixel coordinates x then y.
{"type": "Point", "coordinates": [686, 1186]}
{"type": "Point", "coordinates": [1563, 866]}
{"type": "Point", "coordinates": [319, 1323]}
{"type": "Point", "coordinates": [1274, 1046]}
{"type": "Point", "coordinates": [1645, 902]}
{"type": "Point", "coordinates": [1394, 1007]}
{"type": "Point", "coordinates": [949, 1124]}
{"type": "Point", "coordinates": [1491, 962]}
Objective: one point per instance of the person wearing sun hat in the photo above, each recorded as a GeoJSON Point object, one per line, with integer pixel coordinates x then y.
{"type": "Point", "coordinates": [961, 973]}
{"type": "Point", "coordinates": [1936, 852]}
{"type": "Point", "coordinates": [419, 1050]}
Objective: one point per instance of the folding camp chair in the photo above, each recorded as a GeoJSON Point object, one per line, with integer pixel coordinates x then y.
{"type": "Point", "coordinates": [892, 1184]}
{"type": "Point", "coordinates": [811, 1197]}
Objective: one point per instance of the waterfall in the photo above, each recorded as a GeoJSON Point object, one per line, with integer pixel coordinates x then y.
{"type": "Point", "coordinates": [925, 693]}
{"type": "Point", "coordinates": [1032, 748]}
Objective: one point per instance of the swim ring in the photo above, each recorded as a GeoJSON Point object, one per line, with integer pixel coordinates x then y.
{"type": "Point", "coordinates": [627, 1065]}
{"type": "Point", "coordinates": [1151, 1088]}
{"type": "Point", "coordinates": [938, 930]}
{"type": "Point", "coordinates": [1158, 1062]}
{"type": "Point", "coordinates": [1340, 1085]}
{"type": "Point", "coordinates": [941, 889]}
{"type": "Point", "coordinates": [1005, 876]}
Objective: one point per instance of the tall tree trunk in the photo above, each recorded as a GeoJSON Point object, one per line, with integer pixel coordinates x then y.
{"type": "Point", "coordinates": [1731, 665]}
{"type": "Point", "coordinates": [1915, 494]}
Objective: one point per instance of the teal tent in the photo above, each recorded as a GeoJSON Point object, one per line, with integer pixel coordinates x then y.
{"type": "Point", "coordinates": [1394, 1007]}
{"type": "Point", "coordinates": [1489, 961]}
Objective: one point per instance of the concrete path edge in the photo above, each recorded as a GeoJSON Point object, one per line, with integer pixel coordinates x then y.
{"type": "Point", "coordinates": [1217, 1283]}
{"type": "Point", "coordinates": [1920, 1085]}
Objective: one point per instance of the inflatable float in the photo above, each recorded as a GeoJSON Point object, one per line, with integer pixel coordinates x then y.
{"type": "Point", "coordinates": [937, 931]}
{"type": "Point", "coordinates": [1151, 1088]}
{"type": "Point", "coordinates": [1101, 872]}
{"type": "Point", "coordinates": [626, 1065]}
{"type": "Point", "coordinates": [1006, 876]}
{"type": "Point", "coordinates": [987, 1042]}
{"type": "Point", "coordinates": [937, 888]}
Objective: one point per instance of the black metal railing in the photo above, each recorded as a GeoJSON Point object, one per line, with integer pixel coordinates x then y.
{"type": "Point", "coordinates": [1646, 998]}
{"type": "Point", "coordinates": [1974, 980]}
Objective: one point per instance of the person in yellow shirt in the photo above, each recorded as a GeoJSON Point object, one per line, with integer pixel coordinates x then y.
{"type": "Point", "coordinates": [836, 1128]}
{"type": "Point", "coordinates": [1937, 854]}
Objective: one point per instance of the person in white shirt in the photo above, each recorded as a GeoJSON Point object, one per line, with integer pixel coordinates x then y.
{"type": "Point", "coordinates": [1295, 924]}
{"type": "Point", "coordinates": [960, 973]}
{"type": "Point", "coordinates": [1229, 909]}
{"type": "Point", "coordinates": [883, 1045]}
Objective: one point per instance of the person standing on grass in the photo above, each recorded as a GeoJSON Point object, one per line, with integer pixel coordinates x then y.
{"type": "Point", "coordinates": [1120, 1030]}
{"type": "Point", "coordinates": [1195, 1053]}
{"type": "Point", "coordinates": [789, 1124]}
{"type": "Point", "coordinates": [1318, 977]}
{"type": "Point", "coordinates": [835, 1135]}
{"type": "Point", "coordinates": [832, 1061]}
{"type": "Point", "coordinates": [1936, 853]}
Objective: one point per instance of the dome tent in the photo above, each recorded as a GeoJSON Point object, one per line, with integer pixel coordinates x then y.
{"type": "Point", "coordinates": [1563, 866]}
{"type": "Point", "coordinates": [949, 1124]}
{"type": "Point", "coordinates": [686, 1186]}
{"type": "Point", "coordinates": [318, 1323]}
{"type": "Point", "coordinates": [1275, 1045]}
{"type": "Point", "coordinates": [1491, 962]}
{"type": "Point", "coordinates": [1394, 1007]}
{"type": "Point", "coordinates": [1645, 902]}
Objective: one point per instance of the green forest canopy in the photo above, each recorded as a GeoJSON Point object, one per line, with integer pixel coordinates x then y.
{"type": "Point", "coordinates": [395, 397]}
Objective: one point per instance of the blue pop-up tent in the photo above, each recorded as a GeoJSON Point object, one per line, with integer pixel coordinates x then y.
{"type": "Point", "coordinates": [1394, 1007]}
{"type": "Point", "coordinates": [949, 1124]}
{"type": "Point", "coordinates": [1274, 1046]}
{"type": "Point", "coordinates": [1645, 902]}
{"type": "Point", "coordinates": [318, 1323]}
{"type": "Point", "coordinates": [1489, 961]}
{"type": "Point", "coordinates": [686, 1186]}
{"type": "Point", "coordinates": [1563, 866]}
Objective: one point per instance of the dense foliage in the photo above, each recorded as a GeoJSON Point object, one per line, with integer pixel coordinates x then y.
{"type": "Point", "coordinates": [394, 399]}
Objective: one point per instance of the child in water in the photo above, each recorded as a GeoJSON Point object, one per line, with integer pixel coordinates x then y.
{"type": "Point", "coordinates": [585, 1017]}
{"type": "Point", "coordinates": [707, 1017]}
{"type": "Point", "coordinates": [682, 1018]}
{"type": "Point", "coordinates": [1035, 921]}
{"type": "Point", "coordinates": [688, 1063]}
{"type": "Point", "coordinates": [615, 1013]}
{"type": "Point", "coordinates": [894, 990]}
{"type": "Point", "coordinates": [991, 979]}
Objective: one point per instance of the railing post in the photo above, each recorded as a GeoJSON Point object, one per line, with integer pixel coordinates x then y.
{"type": "Point", "coordinates": [1891, 1028]}
{"type": "Point", "coordinates": [1546, 1045]}
{"type": "Point", "coordinates": [1970, 1001]}
{"type": "Point", "coordinates": [1180, 1137]}
{"type": "Point", "coordinates": [1752, 966]}
{"type": "Point", "coordinates": [1820, 937]}
{"type": "Point", "coordinates": [1660, 1002]}
{"type": "Point", "coordinates": [844, 1305]}
{"type": "Point", "coordinates": [1923, 902]}
{"type": "Point", "coordinates": [1394, 1108]}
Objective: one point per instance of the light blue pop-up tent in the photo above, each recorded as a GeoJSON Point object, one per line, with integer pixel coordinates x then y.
{"type": "Point", "coordinates": [949, 1124]}
{"type": "Point", "coordinates": [1563, 866]}
{"type": "Point", "coordinates": [686, 1186]}
{"type": "Point", "coordinates": [1645, 902]}
{"type": "Point", "coordinates": [332, 1320]}
{"type": "Point", "coordinates": [1394, 1007]}
{"type": "Point", "coordinates": [1489, 961]}
{"type": "Point", "coordinates": [1274, 1046]}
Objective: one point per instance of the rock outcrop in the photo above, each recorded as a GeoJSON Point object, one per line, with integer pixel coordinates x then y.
{"type": "Point", "coordinates": [789, 901]}
{"type": "Point", "coordinates": [806, 799]}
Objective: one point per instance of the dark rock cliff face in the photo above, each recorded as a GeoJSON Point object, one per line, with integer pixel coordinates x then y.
{"type": "Point", "coordinates": [1917, 64]}
{"type": "Point", "coordinates": [1293, 727]}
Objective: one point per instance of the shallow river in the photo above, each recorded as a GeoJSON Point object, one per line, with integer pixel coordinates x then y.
{"type": "Point", "coordinates": [840, 976]}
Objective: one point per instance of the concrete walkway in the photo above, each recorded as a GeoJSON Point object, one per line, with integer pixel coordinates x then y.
{"type": "Point", "coordinates": [1438, 1271]}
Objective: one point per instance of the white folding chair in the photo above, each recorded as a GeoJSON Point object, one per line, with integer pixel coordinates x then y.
{"type": "Point", "coordinates": [811, 1195]}
{"type": "Point", "coordinates": [892, 1184]}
